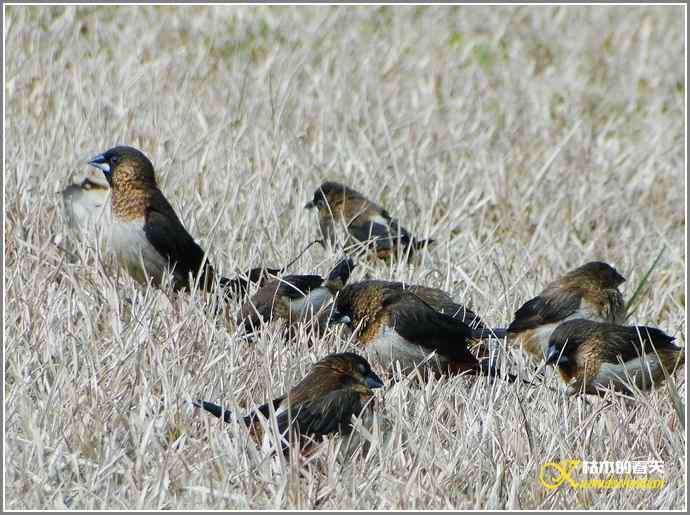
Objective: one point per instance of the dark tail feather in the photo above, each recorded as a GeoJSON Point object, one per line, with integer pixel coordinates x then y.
{"type": "Point", "coordinates": [341, 271]}
{"type": "Point", "coordinates": [485, 332]}
{"type": "Point", "coordinates": [215, 410]}
{"type": "Point", "coordinates": [238, 286]}
{"type": "Point", "coordinates": [485, 368]}
{"type": "Point", "coordinates": [420, 244]}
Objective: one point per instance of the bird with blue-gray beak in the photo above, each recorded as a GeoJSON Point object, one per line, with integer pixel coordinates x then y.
{"type": "Point", "coordinates": [146, 234]}
{"type": "Point", "coordinates": [589, 292]}
{"type": "Point", "coordinates": [336, 389]}
{"type": "Point", "coordinates": [296, 298]}
{"type": "Point", "coordinates": [366, 223]}
{"type": "Point", "coordinates": [403, 330]}
{"type": "Point", "coordinates": [593, 357]}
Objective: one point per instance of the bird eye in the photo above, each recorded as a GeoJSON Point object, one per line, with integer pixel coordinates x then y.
{"type": "Point", "coordinates": [114, 160]}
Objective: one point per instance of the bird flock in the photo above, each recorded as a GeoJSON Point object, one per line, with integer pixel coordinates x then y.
{"type": "Point", "coordinates": [576, 323]}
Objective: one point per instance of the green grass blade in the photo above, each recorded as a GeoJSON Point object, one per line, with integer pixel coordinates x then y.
{"type": "Point", "coordinates": [631, 305]}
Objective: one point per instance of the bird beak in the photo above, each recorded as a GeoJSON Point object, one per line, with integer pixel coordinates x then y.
{"type": "Point", "coordinates": [374, 381]}
{"type": "Point", "coordinates": [309, 205]}
{"type": "Point", "coordinates": [553, 356]}
{"type": "Point", "coordinates": [101, 163]}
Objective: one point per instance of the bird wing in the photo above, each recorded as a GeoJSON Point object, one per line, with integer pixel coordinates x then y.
{"type": "Point", "coordinates": [297, 286]}
{"type": "Point", "coordinates": [624, 342]}
{"type": "Point", "coordinates": [370, 230]}
{"type": "Point", "coordinates": [239, 285]}
{"type": "Point", "coordinates": [442, 301]}
{"type": "Point", "coordinates": [379, 226]}
{"type": "Point", "coordinates": [264, 410]}
{"type": "Point", "coordinates": [419, 323]}
{"type": "Point", "coordinates": [328, 414]}
{"type": "Point", "coordinates": [545, 310]}
{"type": "Point", "coordinates": [262, 304]}
{"type": "Point", "coordinates": [172, 241]}
{"type": "Point", "coordinates": [397, 230]}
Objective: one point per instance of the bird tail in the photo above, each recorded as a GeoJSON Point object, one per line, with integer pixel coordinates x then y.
{"type": "Point", "coordinates": [486, 332]}
{"type": "Point", "coordinates": [341, 272]}
{"type": "Point", "coordinates": [420, 244]}
{"type": "Point", "coordinates": [215, 410]}
{"type": "Point", "coordinates": [485, 368]}
{"type": "Point", "coordinates": [238, 286]}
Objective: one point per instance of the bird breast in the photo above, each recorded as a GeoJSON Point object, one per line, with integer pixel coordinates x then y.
{"type": "Point", "coordinates": [134, 251]}
{"type": "Point", "coordinates": [641, 371]}
{"type": "Point", "coordinates": [536, 341]}
{"type": "Point", "coordinates": [390, 347]}
{"type": "Point", "coordinates": [311, 303]}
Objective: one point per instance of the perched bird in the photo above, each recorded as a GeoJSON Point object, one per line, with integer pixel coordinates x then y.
{"type": "Point", "coordinates": [592, 356]}
{"type": "Point", "coordinates": [86, 204]}
{"type": "Point", "coordinates": [337, 388]}
{"type": "Point", "coordinates": [364, 221]}
{"type": "Point", "coordinates": [589, 292]}
{"type": "Point", "coordinates": [145, 233]}
{"type": "Point", "coordinates": [295, 298]}
{"type": "Point", "coordinates": [398, 326]}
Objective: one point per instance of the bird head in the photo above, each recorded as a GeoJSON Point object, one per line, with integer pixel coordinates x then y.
{"type": "Point", "coordinates": [555, 355]}
{"type": "Point", "coordinates": [124, 164]}
{"type": "Point", "coordinates": [350, 370]}
{"type": "Point", "coordinates": [565, 340]}
{"type": "Point", "coordinates": [338, 277]}
{"type": "Point", "coordinates": [600, 274]}
{"type": "Point", "coordinates": [328, 193]}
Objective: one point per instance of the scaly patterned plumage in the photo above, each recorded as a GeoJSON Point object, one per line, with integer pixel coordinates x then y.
{"type": "Point", "coordinates": [593, 356]}
{"type": "Point", "coordinates": [341, 207]}
{"type": "Point", "coordinates": [146, 235]}
{"type": "Point", "coordinates": [589, 292]}
{"type": "Point", "coordinates": [398, 326]}
{"type": "Point", "coordinates": [337, 388]}
{"type": "Point", "coordinates": [295, 298]}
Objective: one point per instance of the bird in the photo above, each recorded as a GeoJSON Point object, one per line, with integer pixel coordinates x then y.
{"type": "Point", "coordinates": [439, 299]}
{"type": "Point", "coordinates": [589, 291]}
{"type": "Point", "coordinates": [594, 356]}
{"type": "Point", "coordinates": [294, 298]}
{"type": "Point", "coordinates": [86, 204]}
{"type": "Point", "coordinates": [396, 325]}
{"type": "Point", "coordinates": [146, 234]}
{"type": "Point", "coordinates": [365, 221]}
{"type": "Point", "coordinates": [338, 387]}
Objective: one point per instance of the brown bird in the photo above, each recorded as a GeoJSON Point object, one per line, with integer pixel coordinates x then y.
{"type": "Point", "coordinates": [593, 356]}
{"type": "Point", "coordinates": [337, 388]}
{"type": "Point", "coordinates": [435, 297]}
{"type": "Point", "coordinates": [398, 326]}
{"type": "Point", "coordinates": [295, 298]}
{"type": "Point", "coordinates": [86, 204]}
{"type": "Point", "coordinates": [365, 222]}
{"type": "Point", "coordinates": [146, 235]}
{"type": "Point", "coordinates": [589, 292]}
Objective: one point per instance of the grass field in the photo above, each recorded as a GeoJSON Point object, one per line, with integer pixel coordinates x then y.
{"type": "Point", "coordinates": [525, 140]}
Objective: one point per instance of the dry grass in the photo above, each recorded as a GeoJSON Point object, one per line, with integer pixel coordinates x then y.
{"type": "Point", "coordinates": [526, 140]}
